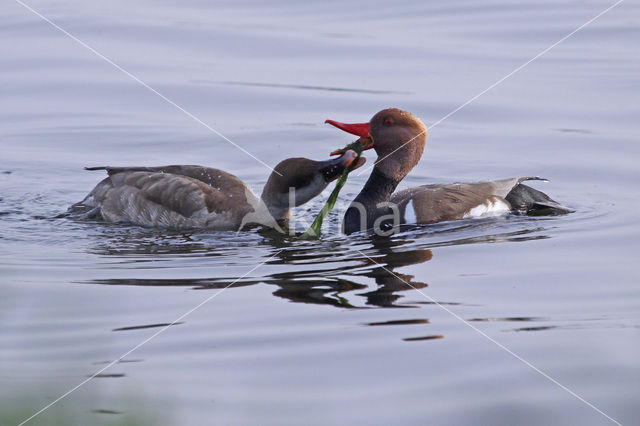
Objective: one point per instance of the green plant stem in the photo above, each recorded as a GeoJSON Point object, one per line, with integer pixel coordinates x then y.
{"type": "Point", "coordinates": [315, 229]}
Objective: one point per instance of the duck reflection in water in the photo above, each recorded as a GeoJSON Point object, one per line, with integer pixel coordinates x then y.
{"type": "Point", "coordinates": [330, 290]}
{"type": "Point", "coordinates": [315, 284]}
{"type": "Point", "coordinates": [356, 273]}
{"type": "Point", "coordinates": [390, 282]}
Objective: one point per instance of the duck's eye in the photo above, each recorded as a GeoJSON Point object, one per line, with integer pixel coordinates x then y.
{"type": "Point", "coordinates": [388, 121]}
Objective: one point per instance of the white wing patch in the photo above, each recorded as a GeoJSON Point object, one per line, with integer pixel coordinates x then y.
{"type": "Point", "coordinates": [491, 207]}
{"type": "Point", "coordinates": [410, 213]}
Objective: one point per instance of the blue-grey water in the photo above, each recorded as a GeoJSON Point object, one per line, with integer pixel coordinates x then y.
{"type": "Point", "coordinates": [325, 332]}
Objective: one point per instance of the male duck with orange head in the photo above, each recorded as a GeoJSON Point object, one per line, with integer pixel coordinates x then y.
{"type": "Point", "coordinates": [399, 137]}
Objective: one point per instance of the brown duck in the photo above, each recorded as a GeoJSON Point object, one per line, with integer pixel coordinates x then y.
{"type": "Point", "coordinates": [398, 138]}
{"type": "Point", "coordinates": [186, 196]}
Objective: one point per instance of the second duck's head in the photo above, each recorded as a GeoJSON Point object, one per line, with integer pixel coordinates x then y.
{"type": "Point", "coordinates": [295, 181]}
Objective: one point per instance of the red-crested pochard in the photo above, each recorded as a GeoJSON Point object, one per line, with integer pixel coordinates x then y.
{"type": "Point", "coordinates": [201, 197]}
{"type": "Point", "coordinates": [399, 139]}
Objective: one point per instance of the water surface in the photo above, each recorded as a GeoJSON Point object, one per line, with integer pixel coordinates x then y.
{"type": "Point", "coordinates": [349, 330]}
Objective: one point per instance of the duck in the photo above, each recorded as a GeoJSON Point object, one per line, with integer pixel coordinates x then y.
{"type": "Point", "coordinates": [193, 196]}
{"type": "Point", "coordinates": [399, 138]}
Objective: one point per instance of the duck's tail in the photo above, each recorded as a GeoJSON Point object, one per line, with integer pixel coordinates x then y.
{"type": "Point", "coordinates": [526, 200]}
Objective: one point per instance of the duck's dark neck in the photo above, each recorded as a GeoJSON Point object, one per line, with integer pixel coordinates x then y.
{"type": "Point", "coordinates": [364, 210]}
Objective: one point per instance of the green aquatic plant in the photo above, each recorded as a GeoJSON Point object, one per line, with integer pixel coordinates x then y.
{"type": "Point", "coordinates": [314, 230]}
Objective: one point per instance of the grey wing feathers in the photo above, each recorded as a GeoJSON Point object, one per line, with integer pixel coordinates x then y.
{"type": "Point", "coordinates": [440, 202]}
{"type": "Point", "coordinates": [173, 196]}
{"type": "Point", "coordinates": [436, 203]}
{"type": "Point", "coordinates": [156, 199]}
{"type": "Point", "coordinates": [212, 177]}
{"type": "Point", "coordinates": [502, 187]}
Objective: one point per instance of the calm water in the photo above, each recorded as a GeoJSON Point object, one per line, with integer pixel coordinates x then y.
{"type": "Point", "coordinates": [327, 331]}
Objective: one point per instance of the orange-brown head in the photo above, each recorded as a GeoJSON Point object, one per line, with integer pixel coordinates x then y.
{"type": "Point", "coordinates": [397, 136]}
